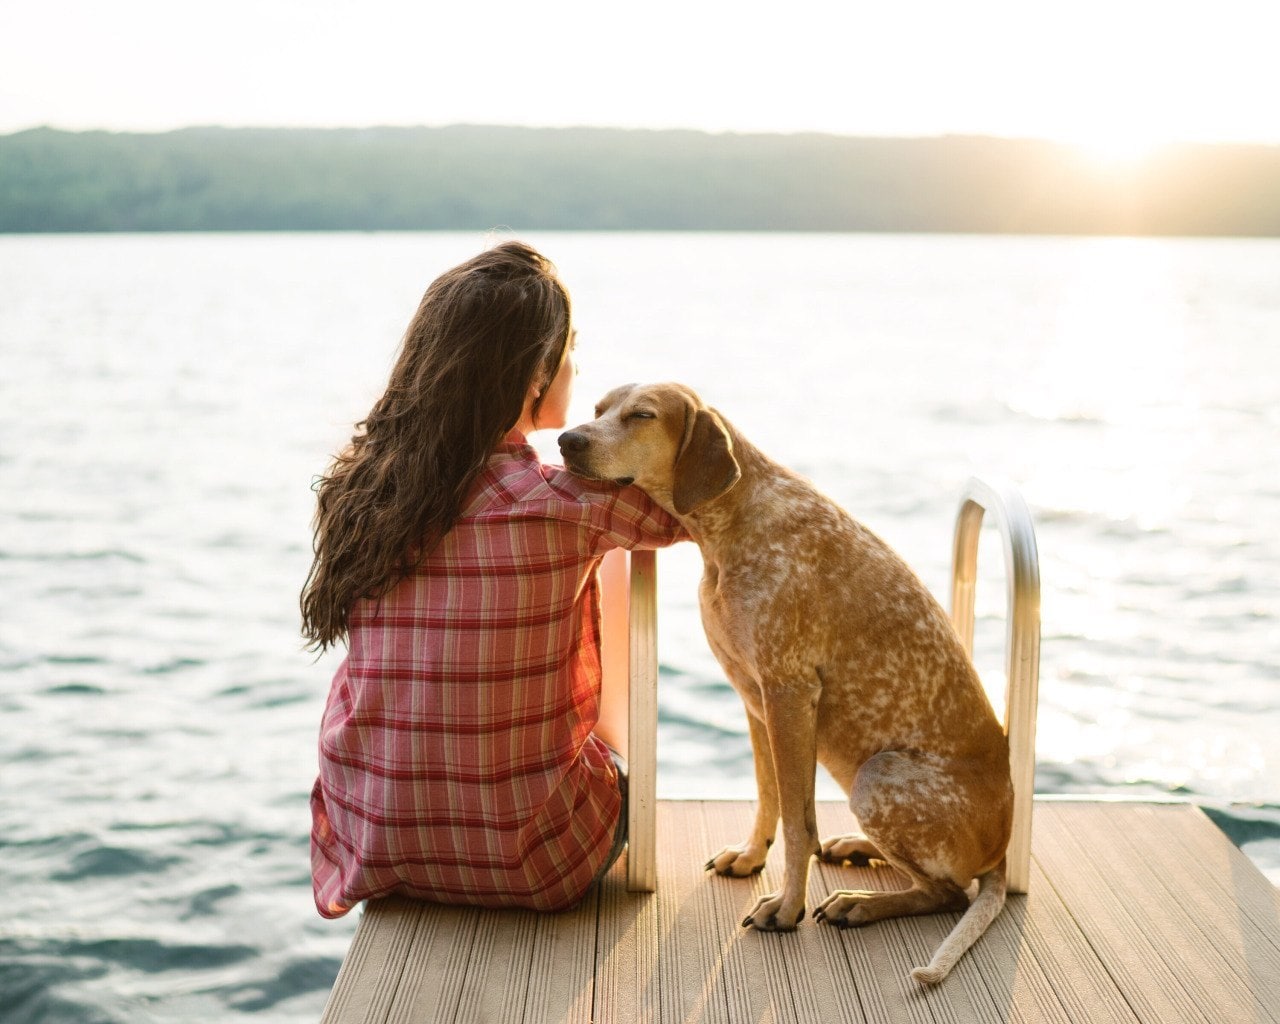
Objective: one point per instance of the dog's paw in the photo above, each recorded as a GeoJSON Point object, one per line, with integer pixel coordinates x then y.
{"type": "Point", "coordinates": [845, 908]}
{"type": "Point", "coordinates": [857, 850]}
{"type": "Point", "coordinates": [738, 861]}
{"type": "Point", "coordinates": [772, 914]}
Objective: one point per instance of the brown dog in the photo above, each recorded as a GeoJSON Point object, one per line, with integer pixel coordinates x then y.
{"type": "Point", "coordinates": [841, 656]}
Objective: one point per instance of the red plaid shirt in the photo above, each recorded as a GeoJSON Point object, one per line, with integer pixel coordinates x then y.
{"type": "Point", "coordinates": [457, 761]}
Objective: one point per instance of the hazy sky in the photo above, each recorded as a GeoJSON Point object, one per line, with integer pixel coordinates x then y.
{"type": "Point", "coordinates": [1118, 73]}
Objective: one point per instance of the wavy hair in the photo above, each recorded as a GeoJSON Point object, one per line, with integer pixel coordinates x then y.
{"type": "Point", "coordinates": [484, 333]}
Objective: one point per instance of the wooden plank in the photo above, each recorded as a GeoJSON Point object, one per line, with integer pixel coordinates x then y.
{"type": "Point", "coordinates": [371, 970]}
{"type": "Point", "coordinates": [692, 933]}
{"type": "Point", "coordinates": [498, 968]}
{"type": "Point", "coordinates": [821, 981]}
{"type": "Point", "coordinates": [626, 952]}
{"type": "Point", "coordinates": [562, 966]}
{"type": "Point", "coordinates": [1124, 922]}
{"type": "Point", "coordinates": [1216, 864]}
{"type": "Point", "coordinates": [843, 987]}
{"type": "Point", "coordinates": [1038, 966]}
{"type": "Point", "coordinates": [471, 964]}
{"type": "Point", "coordinates": [435, 971]}
{"type": "Point", "coordinates": [884, 991]}
{"type": "Point", "coordinates": [1225, 963]}
{"type": "Point", "coordinates": [875, 1001]}
{"type": "Point", "coordinates": [895, 947]}
{"type": "Point", "coordinates": [754, 978]}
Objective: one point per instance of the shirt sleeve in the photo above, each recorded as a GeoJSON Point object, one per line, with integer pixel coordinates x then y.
{"type": "Point", "coordinates": [629, 518]}
{"type": "Point", "coordinates": [613, 516]}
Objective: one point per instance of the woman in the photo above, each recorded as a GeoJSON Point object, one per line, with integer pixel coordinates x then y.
{"type": "Point", "coordinates": [457, 758]}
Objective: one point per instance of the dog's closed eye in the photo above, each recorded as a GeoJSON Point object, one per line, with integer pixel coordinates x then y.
{"type": "Point", "coordinates": [639, 414]}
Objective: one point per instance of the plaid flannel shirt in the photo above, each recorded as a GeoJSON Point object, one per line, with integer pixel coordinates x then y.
{"type": "Point", "coordinates": [457, 760]}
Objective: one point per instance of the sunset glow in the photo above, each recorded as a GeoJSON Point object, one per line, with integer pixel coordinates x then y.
{"type": "Point", "coordinates": [1117, 152]}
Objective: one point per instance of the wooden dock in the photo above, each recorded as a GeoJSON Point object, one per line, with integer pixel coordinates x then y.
{"type": "Point", "coordinates": [1134, 913]}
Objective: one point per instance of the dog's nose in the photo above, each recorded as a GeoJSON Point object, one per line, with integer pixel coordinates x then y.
{"type": "Point", "coordinates": [572, 441]}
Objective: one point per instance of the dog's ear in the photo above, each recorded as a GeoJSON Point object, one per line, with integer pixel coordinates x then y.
{"type": "Point", "coordinates": [705, 466]}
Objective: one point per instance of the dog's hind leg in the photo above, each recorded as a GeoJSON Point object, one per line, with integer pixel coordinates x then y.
{"type": "Point", "coordinates": [909, 805]}
{"type": "Point", "coordinates": [852, 908]}
{"type": "Point", "coordinates": [853, 849]}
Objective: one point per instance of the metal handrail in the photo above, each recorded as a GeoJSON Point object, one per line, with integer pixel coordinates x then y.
{"type": "Point", "coordinates": [1022, 646]}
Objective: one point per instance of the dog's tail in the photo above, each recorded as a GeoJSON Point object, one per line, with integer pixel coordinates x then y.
{"type": "Point", "coordinates": [982, 911]}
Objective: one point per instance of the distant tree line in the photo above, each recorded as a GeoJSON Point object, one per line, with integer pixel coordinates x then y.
{"type": "Point", "coordinates": [476, 178]}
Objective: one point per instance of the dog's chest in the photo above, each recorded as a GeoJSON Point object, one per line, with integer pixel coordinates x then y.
{"type": "Point", "coordinates": [731, 606]}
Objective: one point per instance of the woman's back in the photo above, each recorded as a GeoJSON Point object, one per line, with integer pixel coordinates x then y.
{"type": "Point", "coordinates": [457, 755]}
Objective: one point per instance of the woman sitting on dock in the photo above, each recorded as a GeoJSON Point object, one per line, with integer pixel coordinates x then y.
{"type": "Point", "coordinates": [458, 761]}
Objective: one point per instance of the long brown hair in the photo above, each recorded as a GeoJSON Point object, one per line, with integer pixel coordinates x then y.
{"type": "Point", "coordinates": [484, 332]}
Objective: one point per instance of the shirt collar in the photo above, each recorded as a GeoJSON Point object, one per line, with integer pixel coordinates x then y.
{"type": "Point", "coordinates": [515, 443]}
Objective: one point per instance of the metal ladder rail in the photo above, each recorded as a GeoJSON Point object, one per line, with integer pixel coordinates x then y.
{"type": "Point", "coordinates": [1022, 645]}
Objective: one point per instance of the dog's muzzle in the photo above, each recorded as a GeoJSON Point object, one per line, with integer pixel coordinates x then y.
{"type": "Point", "coordinates": [573, 443]}
{"type": "Point", "coordinates": [573, 447]}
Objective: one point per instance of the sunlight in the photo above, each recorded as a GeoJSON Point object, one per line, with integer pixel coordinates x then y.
{"type": "Point", "coordinates": [1116, 151]}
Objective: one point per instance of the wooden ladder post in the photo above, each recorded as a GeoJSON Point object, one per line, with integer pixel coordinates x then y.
{"type": "Point", "coordinates": [642, 786]}
{"type": "Point", "coordinates": [629, 660]}
{"type": "Point", "coordinates": [1022, 646]}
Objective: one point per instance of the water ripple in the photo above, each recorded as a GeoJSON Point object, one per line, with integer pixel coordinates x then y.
{"type": "Point", "coordinates": [113, 862]}
{"type": "Point", "coordinates": [153, 956]}
{"type": "Point", "coordinates": [313, 974]}
{"type": "Point", "coordinates": [103, 555]}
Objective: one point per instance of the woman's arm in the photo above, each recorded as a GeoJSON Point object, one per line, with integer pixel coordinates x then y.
{"type": "Point", "coordinates": [615, 653]}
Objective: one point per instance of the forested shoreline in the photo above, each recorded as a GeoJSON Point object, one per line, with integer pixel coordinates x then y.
{"type": "Point", "coordinates": [477, 178]}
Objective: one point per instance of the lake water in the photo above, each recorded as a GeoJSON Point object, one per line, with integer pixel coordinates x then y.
{"type": "Point", "coordinates": [165, 402]}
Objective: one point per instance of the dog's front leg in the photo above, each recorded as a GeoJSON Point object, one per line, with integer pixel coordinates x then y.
{"type": "Point", "coordinates": [792, 721]}
{"type": "Point", "coordinates": [749, 857]}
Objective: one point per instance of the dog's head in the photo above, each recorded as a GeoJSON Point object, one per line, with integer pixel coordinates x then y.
{"type": "Point", "coordinates": [662, 438]}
